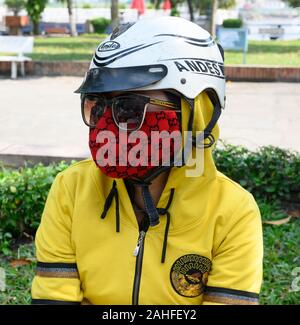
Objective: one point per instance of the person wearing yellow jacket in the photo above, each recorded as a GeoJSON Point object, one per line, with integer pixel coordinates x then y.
{"type": "Point", "coordinates": [115, 232]}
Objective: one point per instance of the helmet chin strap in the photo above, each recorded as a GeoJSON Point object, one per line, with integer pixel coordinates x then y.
{"type": "Point", "coordinates": [207, 132]}
{"type": "Point", "coordinates": [145, 182]}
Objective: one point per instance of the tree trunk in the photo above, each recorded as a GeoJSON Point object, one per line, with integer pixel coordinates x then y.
{"type": "Point", "coordinates": [114, 14]}
{"type": "Point", "coordinates": [213, 18]}
{"type": "Point", "coordinates": [36, 28]}
{"type": "Point", "coordinates": [191, 10]}
{"type": "Point", "coordinates": [72, 22]}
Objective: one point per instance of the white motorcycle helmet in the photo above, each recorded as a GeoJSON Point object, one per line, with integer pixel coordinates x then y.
{"type": "Point", "coordinates": [168, 53]}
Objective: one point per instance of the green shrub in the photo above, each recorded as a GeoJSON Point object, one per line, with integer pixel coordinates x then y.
{"type": "Point", "coordinates": [150, 5]}
{"type": "Point", "coordinates": [23, 193]}
{"type": "Point", "coordinates": [270, 173]}
{"type": "Point", "coordinates": [100, 24]}
{"type": "Point", "coordinates": [232, 23]}
{"type": "Point", "coordinates": [175, 12]}
{"type": "Point", "coordinates": [86, 6]}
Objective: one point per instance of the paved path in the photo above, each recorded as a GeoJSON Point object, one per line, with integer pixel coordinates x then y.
{"type": "Point", "coordinates": [41, 116]}
{"type": "Point", "coordinates": [259, 114]}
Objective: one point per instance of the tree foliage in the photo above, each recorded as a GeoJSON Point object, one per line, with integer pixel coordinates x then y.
{"type": "Point", "coordinates": [15, 5]}
{"type": "Point", "coordinates": [293, 3]}
{"type": "Point", "coordinates": [34, 9]}
{"type": "Point", "coordinates": [226, 4]}
{"type": "Point", "coordinates": [205, 5]}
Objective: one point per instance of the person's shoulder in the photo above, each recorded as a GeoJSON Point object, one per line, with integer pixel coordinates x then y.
{"type": "Point", "coordinates": [77, 169]}
{"type": "Point", "coordinates": [79, 166]}
{"type": "Point", "coordinates": [78, 173]}
{"type": "Point", "coordinates": [231, 185]}
{"type": "Point", "coordinates": [234, 194]}
{"type": "Point", "coordinates": [240, 211]}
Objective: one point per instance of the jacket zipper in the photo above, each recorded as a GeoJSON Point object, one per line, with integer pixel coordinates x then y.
{"type": "Point", "coordinates": [138, 252]}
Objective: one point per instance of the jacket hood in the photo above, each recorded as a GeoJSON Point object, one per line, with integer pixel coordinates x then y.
{"type": "Point", "coordinates": [203, 110]}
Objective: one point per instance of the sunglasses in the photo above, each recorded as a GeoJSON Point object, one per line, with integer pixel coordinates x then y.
{"type": "Point", "coordinates": [128, 110]}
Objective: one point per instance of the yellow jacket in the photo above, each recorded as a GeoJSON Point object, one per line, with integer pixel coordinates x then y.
{"type": "Point", "coordinates": [213, 252]}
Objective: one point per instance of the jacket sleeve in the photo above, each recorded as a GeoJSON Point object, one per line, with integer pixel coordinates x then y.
{"type": "Point", "coordinates": [236, 273]}
{"type": "Point", "coordinates": [56, 280]}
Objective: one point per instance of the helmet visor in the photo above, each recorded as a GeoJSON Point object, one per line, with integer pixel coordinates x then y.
{"type": "Point", "coordinates": [103, 79]}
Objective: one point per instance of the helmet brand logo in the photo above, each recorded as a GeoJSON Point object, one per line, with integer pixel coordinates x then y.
{"type": "Point", "coordinates": [201, 66]}
{"type": "Point", "coordinates": [108, 46]}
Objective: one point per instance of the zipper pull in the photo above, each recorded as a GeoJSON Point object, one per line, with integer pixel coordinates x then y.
{"type": "Point", "coordinates": [137, 248]}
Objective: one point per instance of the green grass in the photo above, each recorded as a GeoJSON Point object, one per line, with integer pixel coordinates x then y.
{"type": "Point", "coordinates": [65, 48]}
{"type": "Point", "coordinates": [280, 53]}
{"type": "Point", "coordinates": [282, 256]}
{"type": "Point", "coordinates": [18, 279]}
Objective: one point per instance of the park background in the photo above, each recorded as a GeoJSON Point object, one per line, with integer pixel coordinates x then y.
{"type": "Point", "coordinates": [259, 145]}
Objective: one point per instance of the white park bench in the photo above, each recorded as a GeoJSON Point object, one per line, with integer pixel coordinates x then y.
{"type": "Point", "coordinates": [16, 45]}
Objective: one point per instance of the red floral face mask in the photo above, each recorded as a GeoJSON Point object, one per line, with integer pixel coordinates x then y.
{"type": "Point", "coordinates": [118, 156]}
